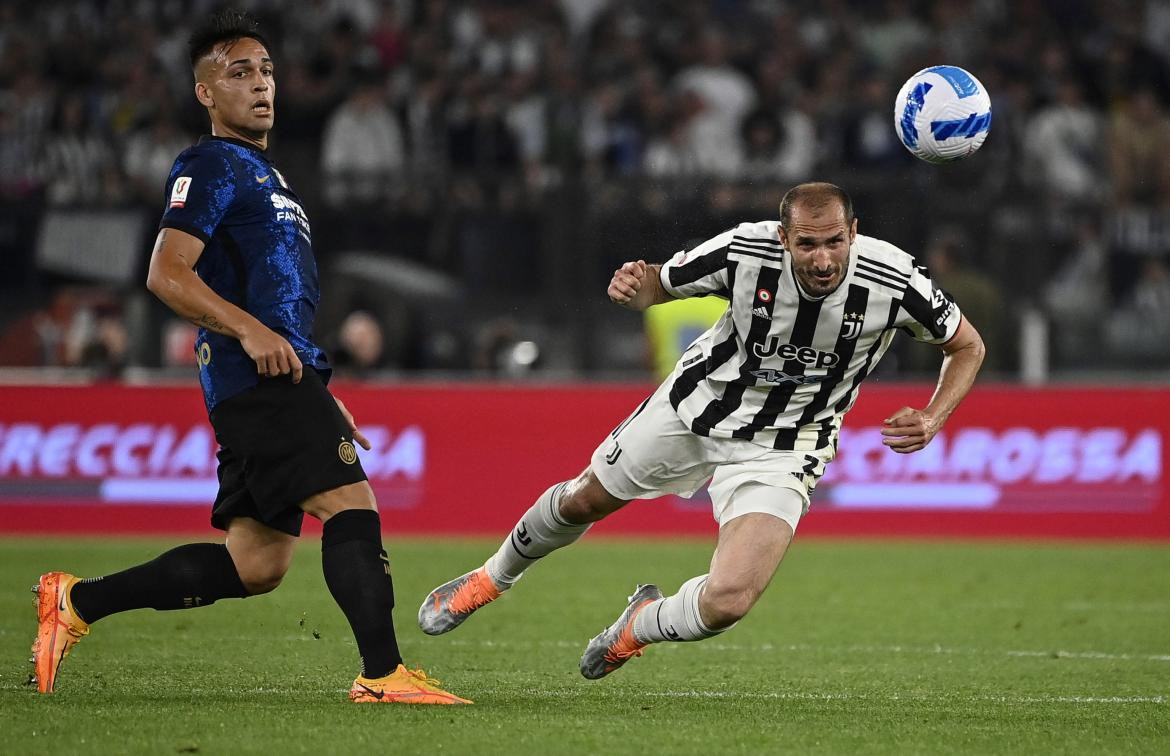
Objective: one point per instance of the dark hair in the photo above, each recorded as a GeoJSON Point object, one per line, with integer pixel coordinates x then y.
{"type": "Point", "coordinates": [815, 194]}
{"type": "Point", "coordinates": [224, 26]}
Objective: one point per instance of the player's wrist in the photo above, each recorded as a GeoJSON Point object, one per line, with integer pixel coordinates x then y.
{"type": "Point", "coordinates": [246, 327]}
{"type": "Point", "coordinates": [933, 419]}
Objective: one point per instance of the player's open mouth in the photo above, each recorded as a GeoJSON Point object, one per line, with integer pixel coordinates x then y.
{"type": "Point", "coordinates": [262, 107]}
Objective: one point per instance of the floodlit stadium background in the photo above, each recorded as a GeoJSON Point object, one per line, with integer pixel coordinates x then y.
{"type": "Point", "coordinates": [474, 171]}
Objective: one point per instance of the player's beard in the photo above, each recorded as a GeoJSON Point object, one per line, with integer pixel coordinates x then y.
{"type": "Point", "coordinates": [819, 287]}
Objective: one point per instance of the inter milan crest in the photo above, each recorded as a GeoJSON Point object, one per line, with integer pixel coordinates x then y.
{"type": "Point", "coordinates": [851, 325]}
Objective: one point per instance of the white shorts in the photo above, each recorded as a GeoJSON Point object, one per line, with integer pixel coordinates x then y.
{"type": "Point", "coordinates": [654, 453]}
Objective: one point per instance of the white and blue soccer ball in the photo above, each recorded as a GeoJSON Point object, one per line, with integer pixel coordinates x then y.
{"type": "Point", "coordinates": [942, 114]}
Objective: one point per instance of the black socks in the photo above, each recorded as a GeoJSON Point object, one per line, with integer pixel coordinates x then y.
{"type": "Point", "coordinates": [358, 575]}
{"type": "Point", "coordinates": [196, 574]}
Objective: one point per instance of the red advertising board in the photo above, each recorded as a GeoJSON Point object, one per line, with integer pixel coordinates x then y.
{"type": "Point", "coordinates": [467, 458]}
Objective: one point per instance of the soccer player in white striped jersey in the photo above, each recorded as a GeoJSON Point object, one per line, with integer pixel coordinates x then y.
{"type": "Point", "coordinates": [754, 406]}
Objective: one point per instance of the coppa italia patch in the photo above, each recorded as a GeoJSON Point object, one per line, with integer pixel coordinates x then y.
{"type": "Point", "coordinates": [179, 191]}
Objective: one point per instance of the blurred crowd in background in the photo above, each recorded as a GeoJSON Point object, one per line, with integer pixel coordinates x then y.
{"type": "Point", "coordinates": [474, 170]}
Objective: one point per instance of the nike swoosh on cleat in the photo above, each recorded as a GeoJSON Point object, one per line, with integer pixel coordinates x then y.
{"type": "Point", "coordinates": [261, 180]}
{"type": "Point", "coordinates": [61, 603]}
{"type": "Point", "coordinates": [378, 694]}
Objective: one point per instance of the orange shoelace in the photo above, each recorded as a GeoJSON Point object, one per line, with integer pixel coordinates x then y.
{"type": "Point", "coordinates": [476, 591]}
{"type": "Point", "coordinates": [626, 645]}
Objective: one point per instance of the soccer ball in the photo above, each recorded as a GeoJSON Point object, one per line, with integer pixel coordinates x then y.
{"type": "Point", "coordinates": [942, 114]}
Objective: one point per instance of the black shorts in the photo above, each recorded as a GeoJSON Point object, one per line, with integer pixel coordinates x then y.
{"type": "Point", "coordinates": [281, 443]}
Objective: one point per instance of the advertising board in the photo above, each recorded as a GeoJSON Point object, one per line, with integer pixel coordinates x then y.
{"type": "Point", "coordinates": [468, 458]}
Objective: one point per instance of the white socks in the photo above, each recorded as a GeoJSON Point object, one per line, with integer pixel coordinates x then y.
{"type": "Point", "coordinates": [540, 532]}
{"type": "Point", "coordinates": [674, 618]}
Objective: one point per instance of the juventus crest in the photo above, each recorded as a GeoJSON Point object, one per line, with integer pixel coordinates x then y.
{"type": "Point", "coordinates": [851, 325]}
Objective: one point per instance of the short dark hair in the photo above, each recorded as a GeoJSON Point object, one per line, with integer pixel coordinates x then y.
{"type": "Point", "coordinates": [224, 26]}
{"type": "Point", "coordinates": [815, 194]}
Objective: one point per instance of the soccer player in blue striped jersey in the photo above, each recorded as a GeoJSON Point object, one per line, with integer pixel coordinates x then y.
{"type": "Point", "coordinates": [234, 256]}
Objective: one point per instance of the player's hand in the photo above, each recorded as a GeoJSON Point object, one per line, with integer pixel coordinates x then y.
{"type": "Point", "coordinates": [908, 430]}
{"type": "Point", "coordinates": [627, 282]}
{"type": "Point", "coordinates": [357, 434]}
{"type": "Point", "coordinates": [272, 353]}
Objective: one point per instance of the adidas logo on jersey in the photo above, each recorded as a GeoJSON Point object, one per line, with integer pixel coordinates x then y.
{"type": "Point", "coordinates": [762, 312]}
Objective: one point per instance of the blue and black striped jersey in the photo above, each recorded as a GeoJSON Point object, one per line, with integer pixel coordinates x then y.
{"type": "Point", "coordinates": [258, 254]}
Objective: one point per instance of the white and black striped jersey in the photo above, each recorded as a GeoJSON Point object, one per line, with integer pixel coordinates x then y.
{"type": "Point", "coordinates": [780, 368]}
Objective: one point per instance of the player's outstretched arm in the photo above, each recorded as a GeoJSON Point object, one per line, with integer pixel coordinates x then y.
{"type": "Point", "coordinates": [909, 429]}
{"type": "Point", "coordinates": [172, 279]}
{"type": "Point", "coordinates": [637, 286]}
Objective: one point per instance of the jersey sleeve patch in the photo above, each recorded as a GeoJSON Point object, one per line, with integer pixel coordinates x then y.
{"type": "Point", "coordinates": [200, 191]}
{"type": "Point", "coordinates": [929, 313]}
{"type": "Point", "coordinates": [699, 272]}
{"type": "Point", "coordinates": [179, 191]}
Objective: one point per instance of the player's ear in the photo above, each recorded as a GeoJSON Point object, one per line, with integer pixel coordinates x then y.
{"type": "Point", "coordinates": [853, 230]}
{"type": "Point", "coordinates": [783, 237]}
{"type": "Point", "coordinates": [203, 94]}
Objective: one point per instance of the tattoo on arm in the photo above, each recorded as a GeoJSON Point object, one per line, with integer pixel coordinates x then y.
{"type": "Point", "coordinates": [210, 323]}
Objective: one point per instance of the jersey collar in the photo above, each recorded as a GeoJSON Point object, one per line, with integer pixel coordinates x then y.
{"type": "Point", "coordinates": [233, 140]}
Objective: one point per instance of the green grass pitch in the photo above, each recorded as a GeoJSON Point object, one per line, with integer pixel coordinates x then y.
{"type": "Point", "coordinates": [858, 646]}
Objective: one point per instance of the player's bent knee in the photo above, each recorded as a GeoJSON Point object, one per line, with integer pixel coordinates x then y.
{"type": "Point", "coordinates": [261, 578]}
{"type": "Point", "coordinates": [262, 568]}
{"type": "Point", "coordinates": [586, 500]}
{"type": "Point", "coordinates": [259, 585]}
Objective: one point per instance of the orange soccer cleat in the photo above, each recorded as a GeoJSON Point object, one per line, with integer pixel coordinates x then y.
{"type": "Point", "coordinates": [58, 627]}
{"type": "Point", "coordinates": [452, 602]}
{"type": "Point", "coordinates": [407, 686]}
{"type": "Point", "coordinates": [615, 645]}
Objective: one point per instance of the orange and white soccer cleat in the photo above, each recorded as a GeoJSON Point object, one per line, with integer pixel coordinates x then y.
{"type": "Point", "coordinates": [406, 686]}
{"type": "Point", "coordinates": [616, 644]}
{"type": "Point", "coordinates": [452, 602]}
{"type": "Point", "coordinates": [58, 627]}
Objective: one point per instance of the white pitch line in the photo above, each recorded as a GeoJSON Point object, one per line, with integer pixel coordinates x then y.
{"type": "Point", "coordinates": [1092, 655]}
{"type": "Point", "coordinates": [578, 693]}
{"type": "Point", "coordinates": [719, 646]}
{"type": "Point", "coordinates": [1055, 654]}
{"type": "Point", "coordinates": [722, 646]}
{"type": "Point", "coordinates": [1149, 607]}
{"type": "Point", "coordinates": [907, 697]}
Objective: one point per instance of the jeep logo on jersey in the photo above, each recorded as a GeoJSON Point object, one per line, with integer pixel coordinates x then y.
{"type": "Point", "coordinates": [814, 358]}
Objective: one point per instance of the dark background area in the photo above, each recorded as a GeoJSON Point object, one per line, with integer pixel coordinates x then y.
{"type": "Point", "coordinates": [475, 170]}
